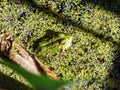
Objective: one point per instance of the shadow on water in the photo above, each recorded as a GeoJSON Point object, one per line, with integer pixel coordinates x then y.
{"type": "Point", "coordinates": [8, 83]}
{"type": "Point", "coordinates": [113, 79]}
{"type": "Point", "coordinates": [111, 5]}
{"type": "Point", "coordinates": [11, 84]}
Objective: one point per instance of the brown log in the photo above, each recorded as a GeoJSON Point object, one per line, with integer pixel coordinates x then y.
{"type": "Point", "coordinates": [19, 55]}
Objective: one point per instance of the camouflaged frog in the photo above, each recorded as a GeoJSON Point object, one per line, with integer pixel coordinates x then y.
{"type": "Point", "coordinates": [52, 43]}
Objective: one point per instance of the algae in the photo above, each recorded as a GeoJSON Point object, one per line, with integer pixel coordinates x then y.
{"type": "Point", "coordinates": [95, 30]}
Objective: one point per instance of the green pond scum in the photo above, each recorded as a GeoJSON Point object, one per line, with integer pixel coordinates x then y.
{"type": "Point", "coordinates": [78, 40]}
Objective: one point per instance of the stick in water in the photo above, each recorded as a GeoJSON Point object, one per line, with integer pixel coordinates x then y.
{"type": "Point", "coordinates": [19, 55]}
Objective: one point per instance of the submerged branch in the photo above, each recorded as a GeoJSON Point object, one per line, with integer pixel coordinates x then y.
{"type": "Point", "coordinates": [19, 55]}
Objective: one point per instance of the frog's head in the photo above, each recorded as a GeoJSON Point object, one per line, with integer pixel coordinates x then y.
{"type": "Point", "coordinates": [66, 41]}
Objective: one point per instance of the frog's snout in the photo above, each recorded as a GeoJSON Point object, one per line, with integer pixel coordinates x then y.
{"type": "Point", "coordinates": [66, 43]}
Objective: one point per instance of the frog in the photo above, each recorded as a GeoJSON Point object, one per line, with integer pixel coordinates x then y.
{"type": "Point", "coordinates": [52, 43]}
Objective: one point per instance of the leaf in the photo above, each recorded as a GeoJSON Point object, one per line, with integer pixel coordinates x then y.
{"type": "Point", "coordinates": [39, 82]}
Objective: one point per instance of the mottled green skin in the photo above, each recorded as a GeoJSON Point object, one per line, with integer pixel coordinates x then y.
{"type": "Point", "coordinates": [53, 44]}
{"type": "Point", "coordinates": [95, 26]}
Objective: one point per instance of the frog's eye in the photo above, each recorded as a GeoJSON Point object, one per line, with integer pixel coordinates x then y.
{"type": "Point", "coordinates": [63, 42]}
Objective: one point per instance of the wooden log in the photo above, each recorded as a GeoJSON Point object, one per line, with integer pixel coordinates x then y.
{"type": "Point", "coordinates": [20, 56]}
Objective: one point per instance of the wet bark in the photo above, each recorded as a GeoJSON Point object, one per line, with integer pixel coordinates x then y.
{"type": "Point", "coordinates": [20, 56]}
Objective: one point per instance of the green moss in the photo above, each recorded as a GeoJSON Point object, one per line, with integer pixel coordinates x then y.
{"type": "Point", "coordinates": [95, 32]}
